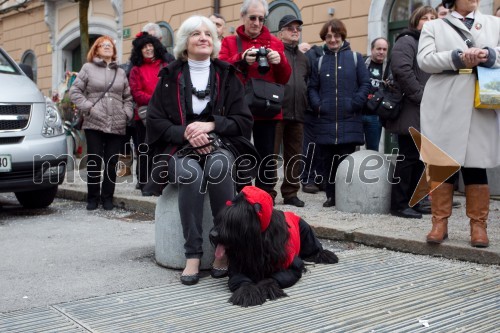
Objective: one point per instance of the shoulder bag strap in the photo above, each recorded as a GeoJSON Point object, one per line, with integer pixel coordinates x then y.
{"type": "Point", "coordinates": [107, 89]}
{"type": "Point", "coordinates": [461, 34]}
{"type": "Point", "coordinates": [238, 43]}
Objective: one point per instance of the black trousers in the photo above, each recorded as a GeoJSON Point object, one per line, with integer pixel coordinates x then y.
{"type": "Point", "coordinates": [263, 139]}
{"type": "Point", "coordinates": [408, 171]}
{"type": "Point", "coordinates": [290, 133]}
{"type": "Point", "coordinates": [102, 148]}
{"type": "Point", "coordinates": [141, 169]}
{"type": "Point", "coordinates": [471, 176]}
{"type": "Point", "coordinates": [332, 156]}
{"type": "Point", "coordinates": [195, 177]}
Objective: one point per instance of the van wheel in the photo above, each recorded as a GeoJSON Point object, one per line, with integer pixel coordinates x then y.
{"type": "Point", "coordinates": [37, 198]}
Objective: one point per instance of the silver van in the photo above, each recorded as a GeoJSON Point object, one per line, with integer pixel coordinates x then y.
{"type": "Point", "coordinates": [33, 150]}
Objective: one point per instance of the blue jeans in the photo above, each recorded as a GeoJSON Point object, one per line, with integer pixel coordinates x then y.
{"type": "Point", "coordinates": [373, 129]}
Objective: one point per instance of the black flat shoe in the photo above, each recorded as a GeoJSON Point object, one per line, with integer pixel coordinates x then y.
{"type": "Point", "coordinates": [108, 204]}
{"type": "Point", "coordinates": [330, 202]}
{"type": "Point", "coordinates": [408, 213]}
{"type": "Point", "coordinates": [294, 201]}
{"type": "Point", "coordinates": [92, 205]}
{"type": "Point", "coordinates": [218, 273]}
{"type": "Point", "coordinates": [190, 279]}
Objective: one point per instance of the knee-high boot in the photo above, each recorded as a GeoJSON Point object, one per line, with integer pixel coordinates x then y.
{"type": "Point", "coordinates": [441, 206]}
{"type": "Point", "coordinates": [477, 207]}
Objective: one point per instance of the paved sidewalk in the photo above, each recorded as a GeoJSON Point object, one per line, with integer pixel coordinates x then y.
{"type": "Point", "coordinates": [386, 231]}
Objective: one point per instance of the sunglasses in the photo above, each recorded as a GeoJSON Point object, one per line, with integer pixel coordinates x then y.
{"type": "Point", "coordinates": [260, 18]}
{"type": "Point", "coordinates": [292, 29]}
{"type": "Point", "coordinates": [105, 45]}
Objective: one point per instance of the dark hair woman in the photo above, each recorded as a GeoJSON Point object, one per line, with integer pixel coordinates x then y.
{"type": "Point", "coordinates": [411, 80]}
{"type": "Point", "coordinates": [147, 59]}
{"type": "Point", "coordinates": [337, 93]}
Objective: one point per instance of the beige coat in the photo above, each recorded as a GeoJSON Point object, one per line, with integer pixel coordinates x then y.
{"type": "Point", "coordinates": [448, 117]}
{"type": "Point", "coordinates": [111, 113]}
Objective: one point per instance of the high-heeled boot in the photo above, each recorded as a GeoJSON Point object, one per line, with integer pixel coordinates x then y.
{"type": "Point", "coordinates": [477, 207]}
{"type": "Point", "coordinates": [442, 198]}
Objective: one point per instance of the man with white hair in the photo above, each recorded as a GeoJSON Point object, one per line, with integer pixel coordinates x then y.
{"type": "Point", "coordinates": [241, 50]}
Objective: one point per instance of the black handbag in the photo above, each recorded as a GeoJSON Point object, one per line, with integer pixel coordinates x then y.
{"type": "Point", "coordinates": [247, 159]}
{"type": "Point", "coordinates": [386, 102]}
{"type": "Point", "coordinates": [264, 99]}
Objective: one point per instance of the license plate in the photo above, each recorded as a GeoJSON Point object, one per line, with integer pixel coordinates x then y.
{"type": "Point", "coordinates": [5, 163]}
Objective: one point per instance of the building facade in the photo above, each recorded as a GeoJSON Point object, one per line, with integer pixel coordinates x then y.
{"type": "Point", "coordinates": [45, 33]}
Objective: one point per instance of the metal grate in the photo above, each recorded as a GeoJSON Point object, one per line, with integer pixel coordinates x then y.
{"type": "Point", "coordinates": [368, 291]}
{"type": "Point", "coordinates": [37, 320]}
{"type": "Point", "coordinates": [11, 140]}
{"type": "Point", "coordinates": [22, 112]}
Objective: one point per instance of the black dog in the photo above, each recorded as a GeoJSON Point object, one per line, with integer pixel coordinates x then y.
{"type": "Point", "coordinates": [264, 247]}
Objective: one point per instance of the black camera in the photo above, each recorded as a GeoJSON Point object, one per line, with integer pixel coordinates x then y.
{"type": "Point", "coordinates": [261, 58]}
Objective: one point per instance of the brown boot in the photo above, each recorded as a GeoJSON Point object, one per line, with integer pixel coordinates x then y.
{"type": "Point", "coordinates": [124, 165]}
{"type": "Point", "coordinates": [477, 207]}
{"type": "Point", "coordinates": [442, 198]}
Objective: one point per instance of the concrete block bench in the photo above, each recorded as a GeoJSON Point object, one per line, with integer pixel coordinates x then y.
{"type": "Point", "coordinates": [169, 241]}
{"type": "Point", "coordinates": [362, 183]}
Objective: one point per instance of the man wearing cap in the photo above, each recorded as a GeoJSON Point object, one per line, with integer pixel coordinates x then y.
{"type": "Point", "coordinates": [290, 131]}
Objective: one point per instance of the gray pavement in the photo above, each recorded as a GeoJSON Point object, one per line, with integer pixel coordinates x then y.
{"type": "Point", "coordinates": [384, 231]}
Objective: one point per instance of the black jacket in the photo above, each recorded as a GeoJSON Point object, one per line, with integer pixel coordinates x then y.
{"type": "Point", "coordinates": [295, 101]}
{"type": "Point", "coordinates": [171, 103]}
{"type": "Point", "coordinates": [411, 80]}
{"type": "Point", "coordinates": [170, 109]}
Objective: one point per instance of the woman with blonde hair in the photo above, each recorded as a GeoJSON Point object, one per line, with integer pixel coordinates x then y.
{"type": "Point", "coordinates": [197, 97]}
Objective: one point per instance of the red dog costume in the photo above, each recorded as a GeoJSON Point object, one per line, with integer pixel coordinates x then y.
{"type": "Point", "coordinates": [264, 246]}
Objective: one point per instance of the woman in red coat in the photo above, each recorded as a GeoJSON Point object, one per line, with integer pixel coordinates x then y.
{"type": "Point", "coordinates": [147, 59]}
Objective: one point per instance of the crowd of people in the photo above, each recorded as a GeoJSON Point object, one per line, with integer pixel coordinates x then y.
{"type": "Point", "coordinates": [199, 95]}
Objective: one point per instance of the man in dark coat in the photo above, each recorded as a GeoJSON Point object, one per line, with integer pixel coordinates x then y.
{"type": "Point", "coordinates": [290, 131]}
{"type": "Point", "coordinates": [312, 177]}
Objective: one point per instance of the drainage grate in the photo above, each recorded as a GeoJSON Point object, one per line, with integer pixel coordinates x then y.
{"type": "Point", "coordinates": [37, 320]}
{"type": "Point", "coordinates": [368, 291]}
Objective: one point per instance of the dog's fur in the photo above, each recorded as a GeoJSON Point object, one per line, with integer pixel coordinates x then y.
{"type": "Point", "coordinates": [257, 258]}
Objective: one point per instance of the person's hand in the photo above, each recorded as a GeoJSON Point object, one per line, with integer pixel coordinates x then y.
{"type": "Point", "coordinates": [473, 57]}
{"type": "Point", "coordinates": [199, 141]}
{"type": "Point", "coordinates": [249, 55]}
{"type": "Point", "coordinates": [197, 128]}
{"type": "Point", "coordinates": [483, 55]}
{"type": "Point", "coordinates": [197, 135]}
{"type": "Point", "coordinates": [273, 57]}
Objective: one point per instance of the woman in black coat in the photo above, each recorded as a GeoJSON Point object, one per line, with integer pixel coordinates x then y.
{"type": "Point", "coordinates": [411, 80]}
{"type": "Point", "coordinates": [197, 95]}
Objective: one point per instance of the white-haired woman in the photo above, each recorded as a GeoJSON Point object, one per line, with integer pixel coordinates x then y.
{"type": "Point", "coordinates": [197, 94]}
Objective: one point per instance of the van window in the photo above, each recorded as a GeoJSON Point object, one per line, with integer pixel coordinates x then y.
{"type": "Point", "coordinates": [6, 66]}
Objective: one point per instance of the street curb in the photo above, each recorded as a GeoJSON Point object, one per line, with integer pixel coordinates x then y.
{"type": "Point", "coordinates": [445, 250]}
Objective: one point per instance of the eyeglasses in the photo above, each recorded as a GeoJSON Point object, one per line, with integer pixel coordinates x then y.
{"type": "Point", "coordinates": [292, 29]}
{"type": "Point", "coordinates": [105, 45]}
{"type": "Point", "coordinates": [260, 18]}
{"type": "Point", "coordinates": [330, 36]}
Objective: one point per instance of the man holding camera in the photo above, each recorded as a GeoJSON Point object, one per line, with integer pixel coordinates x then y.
{"type": "Point", "coordinates": [251, 50]}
